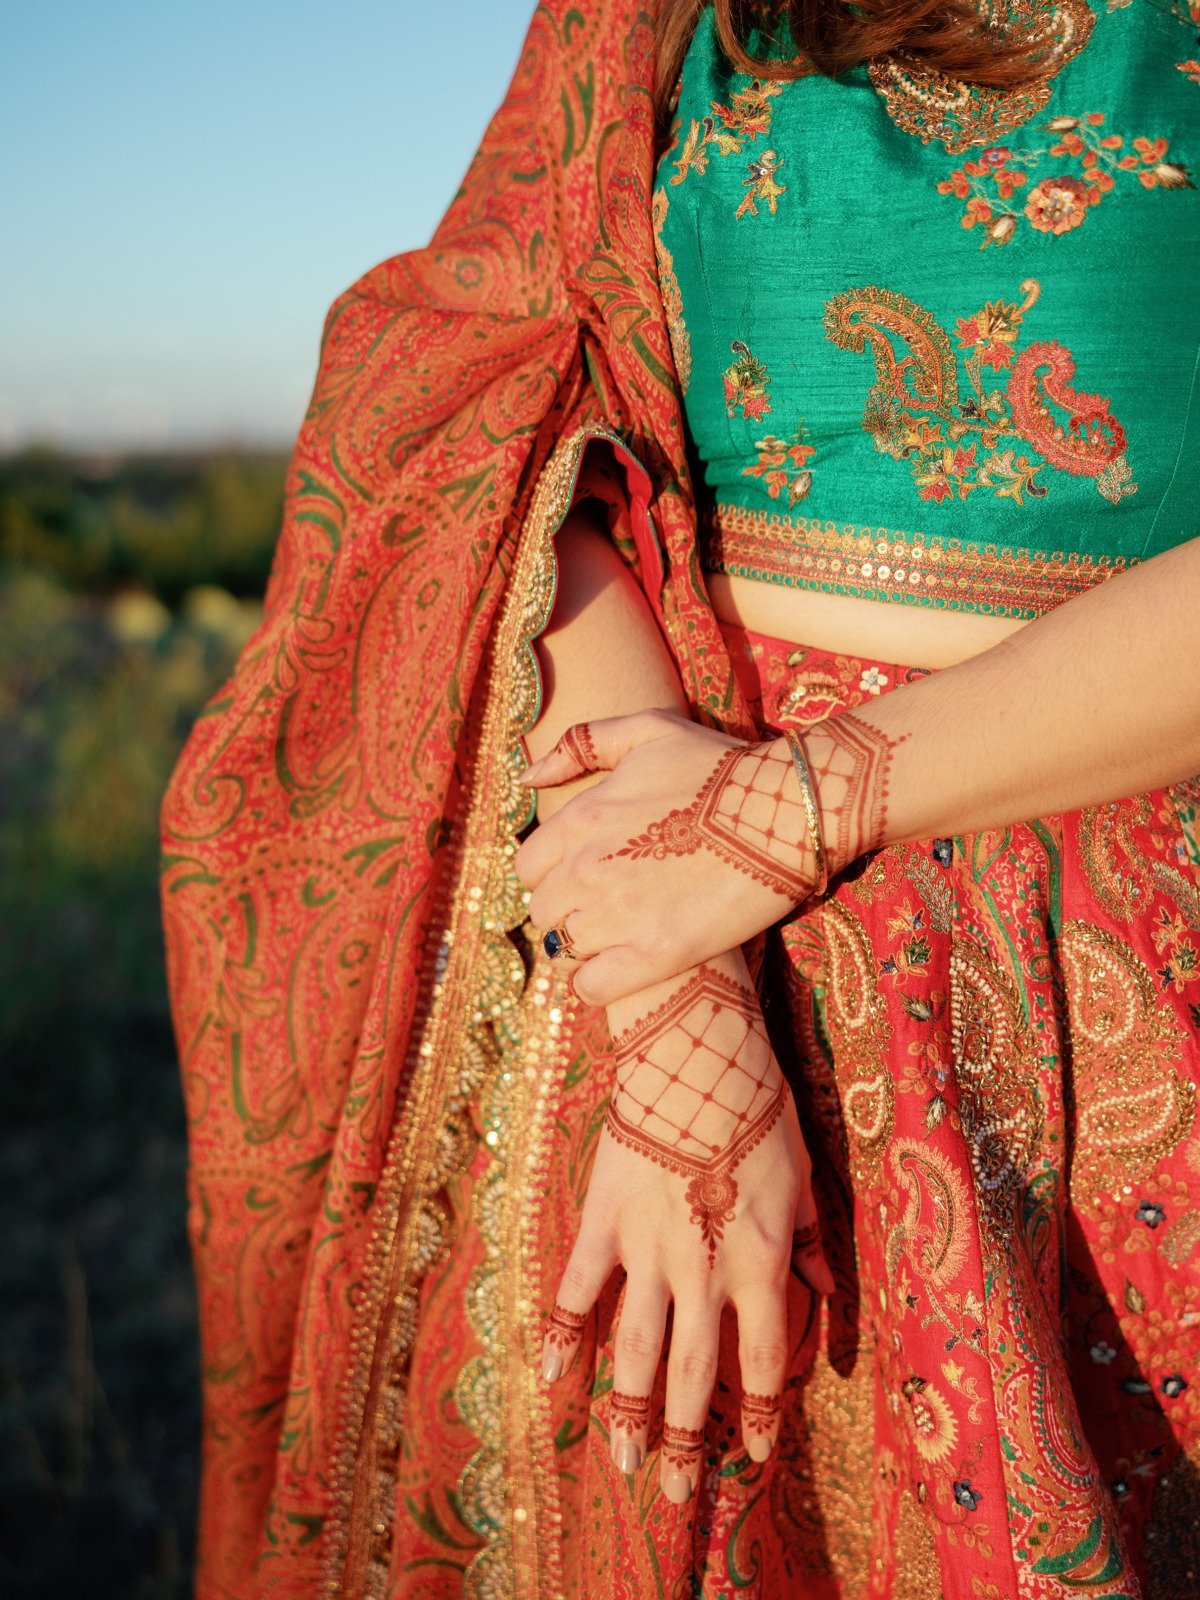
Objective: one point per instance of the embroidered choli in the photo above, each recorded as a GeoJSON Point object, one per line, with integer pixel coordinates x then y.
{"type": "Point", "coordinates": [939, 344]}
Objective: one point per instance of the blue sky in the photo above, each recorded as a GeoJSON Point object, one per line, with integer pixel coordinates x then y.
{"type": "Point", "coordinates": [184, 189]}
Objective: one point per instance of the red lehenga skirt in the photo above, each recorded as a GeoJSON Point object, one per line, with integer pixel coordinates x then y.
{"type": "Point", "coordinates": [994, 1042]}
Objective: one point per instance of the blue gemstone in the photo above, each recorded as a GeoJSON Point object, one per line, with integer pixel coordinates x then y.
{"type": "Point", "coordinates": [552, 943]}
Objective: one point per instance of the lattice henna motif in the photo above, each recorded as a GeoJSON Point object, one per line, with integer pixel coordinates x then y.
{"type": "Point", "coordinates": [630, 1412]}
{"type": "Point", "coordinates": [760, 1412]}
{"type": "Point", "coordinates": [850, 760]}
{"type": "Point", "coordinates": [697, 1087]}
{"type": "Point", "coordinates": [564, 1327]}
{"type": "Point", "coordinates": [682, 1447]}
{"type": "Point", "coordinates": [749, 814]}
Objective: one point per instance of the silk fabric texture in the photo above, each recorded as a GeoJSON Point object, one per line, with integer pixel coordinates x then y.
{"type": "Point", "coordinates": [391, 1102]}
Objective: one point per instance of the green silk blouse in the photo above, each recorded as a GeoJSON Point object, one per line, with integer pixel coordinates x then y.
{"type": "Point", "coordinates": [940, 344]}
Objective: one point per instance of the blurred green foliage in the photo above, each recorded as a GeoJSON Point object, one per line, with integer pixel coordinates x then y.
{"type": "Point", "coordinates": [126, 591]}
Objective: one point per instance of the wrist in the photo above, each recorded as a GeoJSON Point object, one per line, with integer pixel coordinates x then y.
{"type": "Point", "coordinates": [849, 760]}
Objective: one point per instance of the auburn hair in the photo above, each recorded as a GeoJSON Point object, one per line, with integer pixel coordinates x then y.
{"type": "Point", "coordinates": [949, 36]}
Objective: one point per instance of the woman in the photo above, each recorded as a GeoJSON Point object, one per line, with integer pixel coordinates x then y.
{"type": "Point", "coordinates": [913, 1174]}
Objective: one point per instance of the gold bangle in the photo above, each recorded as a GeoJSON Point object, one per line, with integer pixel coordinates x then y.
{"type": "Point", "coordinates": [812, 811]}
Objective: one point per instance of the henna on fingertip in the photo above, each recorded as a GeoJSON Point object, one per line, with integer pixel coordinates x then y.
{"type": "Point", "coordinates": [564, 1331]}
{"type": "Point", "coordinates": [760, 1423]}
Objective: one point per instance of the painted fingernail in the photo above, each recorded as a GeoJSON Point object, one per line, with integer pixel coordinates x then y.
{"type": "Point", "coordinates": [759, 1448]}
{"type": "Point", "coordinates": [678, 1488]}
{"type": "Point", "coordinates": [629, 1457]}
{"type": "Point", "coordinates": [551, 1365]}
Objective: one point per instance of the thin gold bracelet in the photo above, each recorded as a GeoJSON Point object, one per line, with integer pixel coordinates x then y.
{"type": "Point", "coordinates": [812, 812]}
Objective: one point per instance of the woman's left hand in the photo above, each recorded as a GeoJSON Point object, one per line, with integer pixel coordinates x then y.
{"type": "Point", "coordinates": [691, 845]}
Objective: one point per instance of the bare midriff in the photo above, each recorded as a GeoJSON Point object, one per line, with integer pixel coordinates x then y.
{"type": "Point", "coordinates": [917, 636]}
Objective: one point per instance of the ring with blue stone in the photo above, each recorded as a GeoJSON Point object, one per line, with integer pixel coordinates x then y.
{"type": "Point", "coordinates": [555, 943]}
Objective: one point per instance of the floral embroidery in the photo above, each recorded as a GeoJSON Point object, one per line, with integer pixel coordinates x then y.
{"type": "Point", "coordinates": [746, 385]}
{"type": "Point", "coordinates": [728, 128]}
{"type": "Point", "coordinates": [1191, 69]}
{"type": "Point", "coordinates": [782, 466]}
{"type": "Point", "coordinates": [916, 410]}
{"type": "Point", "coordinates": [873, 681]}
{"type": "Point", "coordinates": [760, 184]}
{"type": "Point", "coordinates": [1058, 202]}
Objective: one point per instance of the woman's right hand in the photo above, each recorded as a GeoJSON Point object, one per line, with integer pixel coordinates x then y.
{"type": "Point", "coordinates": [701, 1190]}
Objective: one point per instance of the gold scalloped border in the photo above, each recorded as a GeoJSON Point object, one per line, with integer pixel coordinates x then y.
{"type": "Point", "coordinates": [482, 1031]}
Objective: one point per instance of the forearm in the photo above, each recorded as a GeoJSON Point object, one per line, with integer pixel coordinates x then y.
{"type": "Point", "coordinates": [1095, 701]}
{"type": "Point", "coordinates": [602, 654]}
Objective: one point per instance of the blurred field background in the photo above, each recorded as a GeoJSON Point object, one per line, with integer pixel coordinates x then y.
{"type": "Point", "coordinates": [126, 589]}
{"type": "Point", "coordinates": [184, 191]}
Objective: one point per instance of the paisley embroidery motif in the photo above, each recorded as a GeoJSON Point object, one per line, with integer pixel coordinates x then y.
{"type": "Point", "coordinates": [917, 412]}
{"type": "Point", "coordinates": [1058, 202]}
{"type": "Point", "coordinates": [931, 106]}
{"type": "Point", "coordinates": [1133, 1106]}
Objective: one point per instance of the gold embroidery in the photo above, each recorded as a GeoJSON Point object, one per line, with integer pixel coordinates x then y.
{"type": "Point", "coordinates": [931, 106]}
{"type": "Point", "coordinates": [467, 1027]}
{"type": "Point", "coordinates": [1133, 1107]}
{"type": "Point", "coordinates": [918, 1571]}
{"type": "Point", "coordinates": [857, 1023]}
{"type": "Point", "coordinates": [825, 1460]}
{"type": "Point", "coordinates": [681, 340]}
{"type": "Point", "coordinates": [878, 564]}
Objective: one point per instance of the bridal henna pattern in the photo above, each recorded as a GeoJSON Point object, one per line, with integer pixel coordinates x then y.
{"type": "Point", "coordinates": [682, 1448]}
{"type": "Point", "coordinates": [697, 1087]}
{"type": "Point", "coordinates": [564, 1328]}
{"type": "Point", "coordinates": [760, 1413]}
{"type": "Point", "coordinates": [630, 1412]}
{"type": "Point", "coordinates": [850, 761]}
{"type": "Point", "coordinates": [577, 743]}
{"type": "Point", "coordinates": [749, 814]}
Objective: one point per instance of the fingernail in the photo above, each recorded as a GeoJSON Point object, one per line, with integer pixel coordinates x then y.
{"type": "Point", "coordinates": [759, 1447]}
{"type": "Point", "coordinates": [551, 1366]}
{"type": "Point", "coordinates": [678, 1488]}
{"type": "Point", "coordinates": [629, 1457]}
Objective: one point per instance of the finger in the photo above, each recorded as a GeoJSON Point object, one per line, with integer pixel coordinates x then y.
{"type": "Point", "coordinates": [620, 970]}
{"type": "Point", "coordinates": [555, 899]}
{"type": "Point", "coordinates": [808, 1257]}
{"type": "Point", "coordinates": [638, 1348]}
{"type": "Point", "coordinates": [597, 746]}
{"type": "Point", "coordinates": [585, 1275]}
{"type": "Point", "coordinates": [539, 854]}
{"type": "Point", "coordinates": [762, 1356]}
{"type": "Point", "coordinates": [690, 1374]}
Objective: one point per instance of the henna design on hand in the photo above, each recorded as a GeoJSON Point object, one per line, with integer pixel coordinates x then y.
{"type": "Point", "coordinates": [577, 743]}
{"type": "Point", "coordinates": [630, 1412]}
{"type": "Point", "coordinates": [850, 761]}
{"type": "Point", "coordinates": [697, 1087]}
{"type": "Point", "coordinates": [747, 815]}
{"type": "Point", "coordinates": [682, 1447]}
{"type": "Point", "coordinates": [564, 1327]}
{"type": "Point", "coordinates": [760, 1412]}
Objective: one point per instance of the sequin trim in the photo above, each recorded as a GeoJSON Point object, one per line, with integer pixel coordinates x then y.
{"type": "Point", "coordinates": [877, 564]}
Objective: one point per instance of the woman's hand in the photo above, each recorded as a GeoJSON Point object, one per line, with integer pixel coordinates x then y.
{"type": "Point", "coordinates": [701, 1190]}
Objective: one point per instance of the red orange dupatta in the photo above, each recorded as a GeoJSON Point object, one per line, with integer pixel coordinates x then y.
{"type": "Point", "coordinates": [341, 911]}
